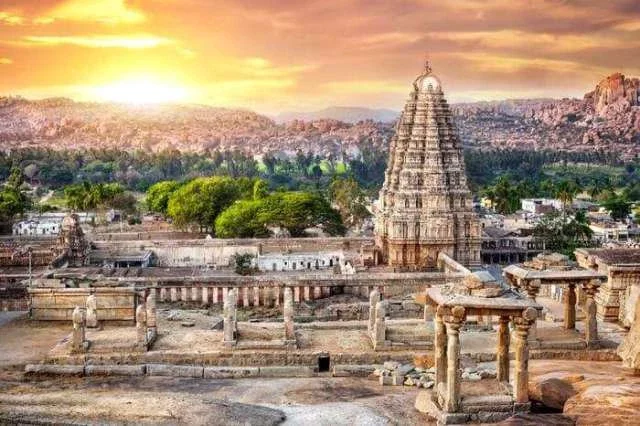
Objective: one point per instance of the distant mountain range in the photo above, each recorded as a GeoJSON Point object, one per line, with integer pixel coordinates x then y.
{"type": "Point", "coordinates": [340, 113]}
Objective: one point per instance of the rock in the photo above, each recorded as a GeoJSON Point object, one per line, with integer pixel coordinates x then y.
{"type": "Point", "coordinates": [553, 389]}
{"type": "Point", "coordinates": [378, 372]}
{"type": "Point", "coordinates": [391, 365]}
{"type": "Point", "coordinates": [426, 384]}
{"type": "Point", "coordinates": [174, 316]}
{"type": "Point", "coordinates": [629, 349]}
{"type": "Point", "coordinates": [410, 382]}
{"type": "Point", "coordinates": [616, 404]}
{"type": "Point", "coordinates": [217, 323]}
{"type": "Point", "coordinates": [423, 360]}
{"type": "Point", "coordinates": [488, 374]}
{"type": "Point", "coordinates": [188, 323]}
{"type": "Point", "coordinates": [385, 380]}
{"type": "Point", "coordinates": [472, 377]}
{"type": "Point", "coordinates": [404, 369]}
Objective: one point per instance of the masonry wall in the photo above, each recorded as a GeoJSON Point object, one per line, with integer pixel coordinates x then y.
{"type": "Point", "coordinates": [57, 304]}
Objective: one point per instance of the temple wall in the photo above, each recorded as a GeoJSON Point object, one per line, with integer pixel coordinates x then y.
{"type": "Point", "coordinates": [57, 304]}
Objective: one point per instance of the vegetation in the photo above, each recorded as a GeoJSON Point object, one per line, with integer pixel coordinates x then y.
{"type": "Point", "coordinates": [350, 200]}
{"type": "Point", "coordinates": [13, 200]}
{"type": "Point", "coordinates": [564, 234]}
{"type": "Point", "coordinates": [244, 264]}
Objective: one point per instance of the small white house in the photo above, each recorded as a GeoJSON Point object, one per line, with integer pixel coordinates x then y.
{"type": "Point", "coordinates": [37, 227]}
{"type": "Point", "coordinates": [299, 261]}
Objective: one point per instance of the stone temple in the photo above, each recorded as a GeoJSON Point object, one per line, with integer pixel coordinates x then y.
{"type": "Point", "coordinates": [425, 204]}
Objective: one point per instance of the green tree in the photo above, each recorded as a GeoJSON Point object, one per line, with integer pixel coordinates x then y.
{"type": "Point", "coordinates": [618, 206]}
{"type": "Point", "coordinates": [565, 191]}
{"type": "Point", "coordinates": [200, 201]}
{"type": "Point", "coordinates": [158, 195]}
{"type": "Point", "coordinates": [349, 198]}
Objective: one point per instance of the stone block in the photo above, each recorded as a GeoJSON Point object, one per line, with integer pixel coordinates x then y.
{"type": "Point", "coordinates": [230, 372]}
{"type": "Point", "coordinates": [115, 370]}
{"type": "Point", "coordinates": [174, 370]}
{"type": "Point", "coordinates": [55, 369]}
{"type": "Point", "coordinates": [385, 380]}
{"type": "Point", "coordinates": [353, 370]}
{"type": "Point", "coordinates": [287, 371]}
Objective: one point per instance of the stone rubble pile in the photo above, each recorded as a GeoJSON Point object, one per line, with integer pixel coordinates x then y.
{"type": "Point", "coordinates": [397, 374]}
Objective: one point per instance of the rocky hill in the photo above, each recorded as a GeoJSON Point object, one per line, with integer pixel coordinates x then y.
{"type": "Point", "coordinates": [346, 114]}
{"type": "Point", "coordinates": [606, 119]}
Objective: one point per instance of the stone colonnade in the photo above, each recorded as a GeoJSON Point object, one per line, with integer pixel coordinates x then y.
{"type": "Point", "coordinates": [251, 295]}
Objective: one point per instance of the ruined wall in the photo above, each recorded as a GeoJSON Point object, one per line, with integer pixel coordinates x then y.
{"type": "Point", "coordinates": [57, 304]}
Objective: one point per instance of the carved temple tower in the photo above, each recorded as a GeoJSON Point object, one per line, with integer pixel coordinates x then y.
{"type": "Point", "coordinates": [425, 205]}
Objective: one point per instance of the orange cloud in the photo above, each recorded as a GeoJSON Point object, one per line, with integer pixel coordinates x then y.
{"type": "Point", "coordinates": [104, 11]}
{"type": "Point", "coordinates": [5, 61]}
{"type": "Point", "coordinates": [9, 18]}
{"type": "Point", "coordinates": [140, 41]}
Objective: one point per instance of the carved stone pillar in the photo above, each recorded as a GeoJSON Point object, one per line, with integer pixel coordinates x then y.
{"type": "Point", "coordinates": [532, 289]}
{"type": "Point", "coordinates": [183, 294]}
{"type": "Point", "coordinates": [216, 296]}
{"type": "Point", "coordinates": [174, 294]}
{"type": "Point", "coordinates": [503, 350]}
{"type": "Point", "coordinates": [141, 327]}
{"type": "Point", "coordinates": [440, 350]}
{"type": "Point", "coordinates": [374, 298]}
{"type": "Point", "coordinates": [452, 393]}
{"type": "Point", "coordinates": [296, 294]}
{"type": "Point", "coordinates": [380, 328]}
{"type": "Point", "coordinates": [79, 322]}
{"type": "Point", "coordinates": [256, 296]}
{"type": "Point", "coordinates": [194, 294]}
{"type": "Point", "coordinates": [152, 319]}
{"type": "Point", "coordinates": [245, 297]}
{"type": "Point", "coordinates": [570, 307]}
{"type": "Point", "coordinates": [92, 313]}
{"type": "Point", "coordinates": [521, 368]}
{"type": "Point", "coordinates": [590, 308]}
{"type": "Point", "coordinates": [307, 293]}
{"type": "Point", "coordinates": [163, 294]}
{"type": "Point", "coordinates": [229, 312]}
{"type": "Point", "coordinates": [317, 292]}
{"type": "Point", "coordinates": [289, 332]}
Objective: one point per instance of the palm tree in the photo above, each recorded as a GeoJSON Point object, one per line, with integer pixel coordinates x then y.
{"type": "Point", "coordinates": [565, 191]}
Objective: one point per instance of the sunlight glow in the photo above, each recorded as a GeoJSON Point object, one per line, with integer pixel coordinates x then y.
{"type": "Point", "coordinates": [141, 91]}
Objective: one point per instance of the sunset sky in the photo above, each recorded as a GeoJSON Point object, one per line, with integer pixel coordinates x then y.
{"type": "Point", "coordinates": [275, 55]}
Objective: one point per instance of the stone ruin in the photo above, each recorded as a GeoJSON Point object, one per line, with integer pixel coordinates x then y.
{"type": "Point", "coordinates": [454, 303]}
{"type": "Point", "coordinates": [230, 326]}
{"type": "Point", "coordinates": [72, 248]}
{"type": "Point", "coordinates": [79, 343]}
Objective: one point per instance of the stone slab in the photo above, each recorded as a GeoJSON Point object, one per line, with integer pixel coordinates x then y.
{"type": "Point", "coordinates": [287, 371]}
{"type": "Point", "coordinates": [230, 372]}
{"type": "Point", "coordinates": [174, 370]}
{"type": "Point", "coordinates": [55, 369]}
{"type": "Point", "coordinates": [353, 370]}
{"type": "Point", "coordinates": [115, 370]}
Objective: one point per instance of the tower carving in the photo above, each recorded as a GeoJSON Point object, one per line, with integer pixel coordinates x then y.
{"type": "Point", "coordinates": [425, 206]}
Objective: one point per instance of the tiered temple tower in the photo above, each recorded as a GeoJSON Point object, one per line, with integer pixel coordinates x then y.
{"type": "Point", "coordinates": [425, 206]}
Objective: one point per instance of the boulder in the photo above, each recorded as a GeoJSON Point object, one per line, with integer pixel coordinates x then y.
{"type": "Point", "coordinates": [629, 349]}
{"type": "Point", "coordinates": [553, 389]}
{"type": "Point", "coordinates": [615, 404]}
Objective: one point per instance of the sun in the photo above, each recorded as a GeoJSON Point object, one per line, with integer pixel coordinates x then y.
{"type": "Point", "coordinates": [141, 91]}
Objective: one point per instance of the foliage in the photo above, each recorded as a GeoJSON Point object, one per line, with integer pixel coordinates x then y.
{"type": "Point", "coordinates": [200, 201]}
{"type": "Point", "coordinates": [88, 196]}
{"type": "Point", "coordinates": [158, 195]}
{"type": "Point", "coordinates": [349, 198]}
{"type": "Point", "coordinates": [243, 264]}
{"type": "Point", "coordinates": [294, 211]}
{"type": "Point", "coordinates": [564, 234]}
{"type": "Point", "coordinates": [13, 200]}
{"type": "Point", "coordinates": [618, 206]}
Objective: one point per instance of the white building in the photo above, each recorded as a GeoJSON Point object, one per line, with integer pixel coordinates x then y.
{"type": "Point", "coordinates": [45, 227]}
{"type": "Point", "coordinates": [299, 261]}
{"type": "Point", "coordinates": [540, 205]}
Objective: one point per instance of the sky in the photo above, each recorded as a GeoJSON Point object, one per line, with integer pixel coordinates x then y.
{"type": "Point", "coordinates": [283, 55]}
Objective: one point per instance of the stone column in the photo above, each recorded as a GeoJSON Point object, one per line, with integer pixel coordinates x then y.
{"type": "Point", "coordinates": [289, 333]}
{"type": "Point", "coordinates": [296, 294]}
{"type": "Point", "coordinates": [452, 393]}
{"type": "Point", "coordinates": [205, 296]}
{"type": "Point", "coordinates": [229, 325]}
{"type": "Point", "coordinates": [152, 318]}
{"type": "Point", "coordinates": [141, 327]}
{"type": "Point", "coordinates": [374, 298]}
{"type": "Point", "coordinates": [379, 328]}
{"type": "Point", "coordinates": [440, 350]}
{"type": "Point", "coordinates": [590, 308]}
{"type": "Point", "coordinates": [256, 296]}
{"type": "Point", "coordinates": [326, 291]}
{"type": "Point", "coordinates": [92, 313]}
{"type": "Point", "coordinates": [317, 292]}
{"type": "Point", "coordinates": [225, 293]}
{"type": "Point", "coordinates": [194, 294]}
{"type": "Point", "coordinates": [276, 294]}
{"type": "Point", "coordinates": [163, 294]}
{"type": "Point", "coordinates": [307, 293]}
{"type": "Point", "coordinates": [503, 350]}
{"type": "Point", "coordinates": [183, 294]}
{"type": "Point", "coordinates": [532, 288]}
{"type": "Point", "coordinates": [79, 322]}
{"type": "Point", "coordinates": [216, 296]}
{"type": "Point", "coordinates": [521, 368]}
{"type": "Point", "coordinates": [174, 294]}
{"type": "Point", "coordinates": [570, 307]}
{"type": "Point", "coordinates": [245, 297]}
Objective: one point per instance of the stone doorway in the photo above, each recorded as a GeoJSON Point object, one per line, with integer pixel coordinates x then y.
{"type": "Point", "coordinates": [324, 363]}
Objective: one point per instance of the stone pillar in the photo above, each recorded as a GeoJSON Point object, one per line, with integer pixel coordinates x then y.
{"type": "Point", "coordinates": [163, 294]}
{"type": "Point", "coordinates": [289, 333]}
{"type": "Point", "coordinates": [326, 291]}
{"type": "Point", "coordinates": [317, 292]}
{"type": "Point", "coordinates": [229, 326]}
{"type": "Point", "coordinates": [521, 368]}
{"type": "Point", "coordinates": [374, 298]}
{"type": "Point", "coordinates": [152, 318]}
{"type": "Point", "coordinates": [590, 309]}
{"type": "Point", "coordinates": [216, 296]}
{"type": "Point", "coordinates": [379, 328]}
{"type": "Point", "coordinates": [503, 350]}
{"type": "Point", "coordinates": [532, 288]}
{"type": "Point", "coordinates": [570, 307]}
{"type": "Point", "coordinates": [174, 294]}
{"type": "Point", "coordinates": [440, 350]}
{"type": "Point", "coordinates": [276, 294]}
{"type": "Point", "coordinates": [92, 314]}
{"type": "Point", "coordinates": [79, 322]}
{"type": "Point", "coordinates": [307, 293]}
{"type": "Point", "coordinates": [452, 392]}
{"type": "Point", "coordinates": [183, 294]}
{"type": "Point", "coordinates": [141, 327]}
{"type": "Point", "coordinates": [225, 293]}
{"type": "Point", "coordinates": [205, 296]}
{"type": "Point", "coordinates": [245, 297]}
{"type": "Point", "coordinates": [195, 296]}
{"type": "Point", "coordinates": [256, 296]}
{"type": "Point", "coordinates": [296, 294]}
